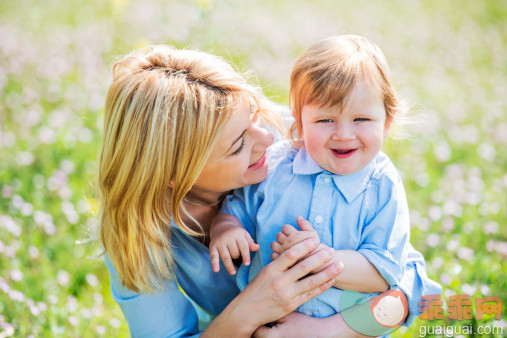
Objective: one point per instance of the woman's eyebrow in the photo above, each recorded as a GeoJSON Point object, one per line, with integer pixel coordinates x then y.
{"type": "Point", "coordinates": [235, 141]}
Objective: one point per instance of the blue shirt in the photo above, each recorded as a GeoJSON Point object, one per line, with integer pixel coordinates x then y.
{"type": "Point", "coordinates": [171, 313]}
{"type": "Point", "coordinates": [175, 312]}
{"type": "Point", "coordinates": [366, 211]}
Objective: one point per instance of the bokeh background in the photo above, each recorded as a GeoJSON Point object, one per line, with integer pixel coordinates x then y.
{"type": "Point", "coordinates": [448, 60]}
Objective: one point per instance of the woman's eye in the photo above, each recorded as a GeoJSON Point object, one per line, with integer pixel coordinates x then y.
{"type": "Point", "coordinates": [361, 119]}
{"type": "Point", "coordinates": [242, 145]}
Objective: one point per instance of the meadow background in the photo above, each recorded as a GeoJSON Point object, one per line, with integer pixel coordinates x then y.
{"type": "Point", "coordinates": [448, 59]}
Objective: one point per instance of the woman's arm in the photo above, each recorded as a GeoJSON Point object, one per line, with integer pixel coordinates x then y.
{"type": "Point", "coordinates": [358, 273]}
{"type": "Point", "coordinates": [276, 291]}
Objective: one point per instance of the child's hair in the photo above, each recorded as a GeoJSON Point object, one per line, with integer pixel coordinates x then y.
{"type": "Point", "coordinates": [328, 71]}
{"type": "Point", "coordinates": [163, 115]}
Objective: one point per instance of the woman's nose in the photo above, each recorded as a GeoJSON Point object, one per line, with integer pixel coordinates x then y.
{"type": "Point", "coordinates": [262, 139]}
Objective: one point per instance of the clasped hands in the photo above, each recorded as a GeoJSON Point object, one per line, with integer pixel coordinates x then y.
{"type": "Point", "coordinates": [229, 241]}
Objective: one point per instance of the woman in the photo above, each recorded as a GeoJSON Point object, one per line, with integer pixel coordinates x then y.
{"type": "Point", "coordinates": [180, 132]}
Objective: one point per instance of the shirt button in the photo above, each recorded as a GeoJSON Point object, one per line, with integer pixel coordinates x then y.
{"type": "Point", "coordinates": [327, 179]}
{"type": "Point", "coordinates": [319, 219]}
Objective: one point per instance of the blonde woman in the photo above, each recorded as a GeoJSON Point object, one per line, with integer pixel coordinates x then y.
{"type": "Point", "coordinates": [181, 131]}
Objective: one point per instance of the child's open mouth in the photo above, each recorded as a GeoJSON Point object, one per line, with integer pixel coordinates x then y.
{"type": "Point", "coordinates": [343, 153]}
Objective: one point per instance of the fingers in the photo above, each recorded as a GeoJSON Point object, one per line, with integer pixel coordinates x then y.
{"type": "Point", "coordinates": [251, 244]}
{"type": "Point", "coordinates": [276, 247]}
{"type": "Point", "coordinates": [215, 258]}
{"type": "Point", "coordinates": [312, 286]}
{"type": "Point", "coordinates": [244, 249]}
{"type": "Point", "coordinates": [226, 258]}
{"type": "Point", "coordinates": [291, 256]}
{"type": "Point", "coordinates": [288, 230]}
{"type": "Point", "coordinates": [310, 263]}
{"type": "Point", "coordinates": [304, 224]}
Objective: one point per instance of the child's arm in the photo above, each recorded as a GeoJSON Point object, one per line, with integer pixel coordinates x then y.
{"type": "Point", "coordinates": [229, 240]}
{"type": "Point", "coordinates": [358, 273]}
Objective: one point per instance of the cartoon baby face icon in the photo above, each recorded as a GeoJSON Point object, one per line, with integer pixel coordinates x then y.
{"type": "Point", "coordinates": [390, 309]}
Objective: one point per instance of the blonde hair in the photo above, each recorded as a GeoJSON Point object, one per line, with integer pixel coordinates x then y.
{"type": "Point", "coordinates": [328, 71]}
{"type": "Point", "coordinates": [164, 112]}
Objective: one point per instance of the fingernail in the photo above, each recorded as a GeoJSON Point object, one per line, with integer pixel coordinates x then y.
{"type": "Point", "coordinates": [299, 218]}
{"type": "Point", "coordinates": [247, 263]}
{"type": "Point", "coordinates": [330, 251]}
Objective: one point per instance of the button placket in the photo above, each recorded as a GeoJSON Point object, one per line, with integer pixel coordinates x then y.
{"type": "Point", "coordinates": [320, 205]}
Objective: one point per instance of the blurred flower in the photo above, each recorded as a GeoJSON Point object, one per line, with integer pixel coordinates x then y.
{"type": "Point", "coordinates": [487, 151]}
{"type": "Point", "coordinates": [445, 279]}
{"type": "Point", "coordinates": [491, 228]}
{"type": "Point", "coordinates": [17, 295]}
{"type": "Point", "coordinates": [485, 289]}
{"type": "Point", "coordinates": [33, 251]}
{"type": "Point", "coordinates": [437, 262]}
{"type": "Point", "coordinates": [434, 213]}
{"type": "Point", "coordinates": [442, 151]}
{"type": "Point", "coordinates": [92, 280]}
{"type": "Point", "coordinates": [100, 329]}
{"type": "Point", "coordinates": [452, 245]}
{"type": "Point", "coordinates": [67, 166]}
{"type": "Point", "coordinates": [465, 253]}
{"type": "Point", "coordinates": [53, 299]}
{"type": "Point", "coordinates": [468, 289]}
{"type": "Point", "coordinates": [16, 275]}
{"type": "Point", "coordinates": [46, 135]}
{"type": "Point", "coordinates": [433, 240]}
{"type": "Point", "coordinates": [6, 191]}
{"type": "Point", "coordinates": [24, 158]}
{"type": "Point", "coordinates": [115, 322]}
{"type": "Point", "coordinates": [73, 321]}
{"type": "Point", "coordinates": [71, 304]}
{"type": "Point", "coordinates": [8, 330]}
{"type": "Point", "coordinates": [8, 223]}
{"type": "Point", "coordinates": [63, 278]}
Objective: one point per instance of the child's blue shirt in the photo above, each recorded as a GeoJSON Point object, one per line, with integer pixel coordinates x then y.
{"type": "Point", "coordinates": [366, 211]}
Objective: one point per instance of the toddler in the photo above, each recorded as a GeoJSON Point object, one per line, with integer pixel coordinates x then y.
{"type": "Point", "coordinates": [334, 175]}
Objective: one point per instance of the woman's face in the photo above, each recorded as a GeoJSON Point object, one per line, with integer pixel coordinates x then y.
{"type": "Point", "coordinates": [238, 158]}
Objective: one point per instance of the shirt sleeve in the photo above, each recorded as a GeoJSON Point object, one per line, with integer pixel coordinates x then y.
{"type": "Point", "coordinates": [386, 234]}
{"type": "Point", "coordinates": [243, 203]}
{"type": "Point", "coordinates": [415, 284]}
{"type": "Point", "coordinates": [165, 314]}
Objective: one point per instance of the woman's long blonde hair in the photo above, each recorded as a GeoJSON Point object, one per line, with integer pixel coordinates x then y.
{"type": "Point", "coordinates": [164, 112]}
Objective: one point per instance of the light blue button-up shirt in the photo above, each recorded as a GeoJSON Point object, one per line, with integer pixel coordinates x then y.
{"type": "Point", "coordinates": [171, 313]}
{"type": "Point", "coordinates": [366, 211]}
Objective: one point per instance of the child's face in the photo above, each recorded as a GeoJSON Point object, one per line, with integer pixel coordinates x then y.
{"type": "Point", "coordinates": [345, 142]}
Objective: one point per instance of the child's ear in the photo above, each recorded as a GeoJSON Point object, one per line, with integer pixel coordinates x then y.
{"type": "Point", "coordinates": [171, 183]}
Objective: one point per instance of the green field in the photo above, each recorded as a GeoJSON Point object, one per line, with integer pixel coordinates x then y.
{"type": "Point", "coordinates": [448, 60]}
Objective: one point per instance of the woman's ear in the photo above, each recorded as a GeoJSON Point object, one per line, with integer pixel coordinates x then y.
{"type": "Point", "coordinates": [171, 183]}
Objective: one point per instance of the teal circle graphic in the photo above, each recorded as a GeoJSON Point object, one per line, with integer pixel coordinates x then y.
{"type": "Point", "coordinates": [360, 317]}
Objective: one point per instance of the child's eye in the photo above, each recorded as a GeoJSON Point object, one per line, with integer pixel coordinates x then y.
{"type": "Point", "coordinates": [241, 146]}
{"type": "Point", "coordinates": [325, 121]}
{"type": "Point", "coordinates": [361, 119]}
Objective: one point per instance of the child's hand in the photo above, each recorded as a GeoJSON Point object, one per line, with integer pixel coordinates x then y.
{"type": "Point", "coordinates": [291, 236]}
{"type": "Point", "coordinates": [228, 242]}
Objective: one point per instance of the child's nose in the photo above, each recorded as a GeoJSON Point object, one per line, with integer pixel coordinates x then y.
{"type": "Point", "coordinates": [342, 131]}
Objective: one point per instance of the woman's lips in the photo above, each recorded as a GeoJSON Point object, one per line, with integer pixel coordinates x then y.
{"type": "Point", "coordinates": [343, 153]}
{"type": "Point", "coordinates": [259, 163]}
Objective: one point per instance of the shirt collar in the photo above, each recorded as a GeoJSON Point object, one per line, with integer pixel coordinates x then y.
{"type": "Point", "coordinates": [349, 185]}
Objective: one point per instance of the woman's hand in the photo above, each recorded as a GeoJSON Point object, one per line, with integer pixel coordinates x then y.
{"type": "Point", "coordinates": [290, 236]}
{"type": "Point", "coordinates": [278, 290]}
{"type": "Point", "coordinates": [299, 325]}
